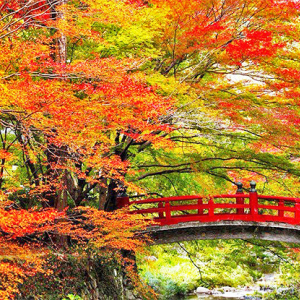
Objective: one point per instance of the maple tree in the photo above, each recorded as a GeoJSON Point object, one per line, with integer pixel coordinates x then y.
{"type": "Point", "coordinates": [100, 95]}
{"type": "Point", "coordinates": [236, 120]}
{"type": "Point", "coordinates": [77, 109]}
{"type": "Point", "coordinates": [58, 120]}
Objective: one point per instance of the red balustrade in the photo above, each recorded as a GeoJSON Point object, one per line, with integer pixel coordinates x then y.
{"type": "Point", "coordinates": [237, 207]}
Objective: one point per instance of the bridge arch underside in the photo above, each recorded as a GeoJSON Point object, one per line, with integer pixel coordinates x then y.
{"type": "Point", "coordinates": [225, 230]}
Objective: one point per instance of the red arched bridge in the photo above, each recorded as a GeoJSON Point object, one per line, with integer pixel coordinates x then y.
{"type": "Point", "coordinates": [242, 215]}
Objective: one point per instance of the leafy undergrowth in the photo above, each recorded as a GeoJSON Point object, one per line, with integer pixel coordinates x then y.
{"type": "Point", "coordinates": [290, 294]}
{"type": "Point", "coordinates": [77, 252]}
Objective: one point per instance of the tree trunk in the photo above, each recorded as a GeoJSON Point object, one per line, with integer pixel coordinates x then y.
{"type": "Point", "coordinates": [102, 193]}
{"type": "Point", "coordinates": [62, 41]}
{"type": "Point", "coordinates": [54, 153]}
{"type": "Point", "coordinates": [111, 199]}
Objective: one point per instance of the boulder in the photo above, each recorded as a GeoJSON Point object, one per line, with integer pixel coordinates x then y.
{"type": "Point", "coordinates": [203, 290]}
{"type": "Point", "coordinates": [216, 292]}
{"type": "Point", "coordinates": [228, 289]}
{"type": "Point", "coordinates": [150, 258]}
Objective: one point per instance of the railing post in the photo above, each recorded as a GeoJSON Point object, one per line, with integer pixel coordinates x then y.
{"type": "Point", "coordinates": [281, 205]}
{"type": "Point", "coordinates": [200, 203]}
{"type": "Point", "coordinates": [168, 211]}
{"type": "Point", "coordinates": [253, 201]}
{"type": "Point", "coordinates": [122, 200]}
{"type": "Point", "coordinates": [211, 207]}
{"type": "Point", "coordinates": [297, 213]}
{"type": "Point", "coordinates": [160, 214]}
{"type": "Point", "coordinates": [240, 211]}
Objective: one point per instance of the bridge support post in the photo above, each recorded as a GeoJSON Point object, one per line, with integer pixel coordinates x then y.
{"type": "Point", "coordinates": [160, 214]}
{"type": "Point", "coordinates": [240, 211]}
{"type": "Point", "coordinates": [122, 200]}
{"type": "Point", "coordinates": [281, 205]}
{"type": "Point", "coordinates": [211, 207]}
{"type": "Point", "coordinates": [200, 210]}
{"type": "Point", "coordinates": [168, 211]}
{"type": "Point", "coordinates": [297, 213]}
{"type": "Point", "coordinates": [253, 201]}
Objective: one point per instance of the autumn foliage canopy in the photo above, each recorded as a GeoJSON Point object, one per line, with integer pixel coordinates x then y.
{"type": "Point", "coordinates": [99, 95]}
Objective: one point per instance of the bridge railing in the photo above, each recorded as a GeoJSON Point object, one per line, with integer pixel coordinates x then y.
{"type": "Point", "coordinates": [240, 206]}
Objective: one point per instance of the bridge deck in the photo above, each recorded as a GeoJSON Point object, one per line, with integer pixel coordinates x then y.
{"type": "Point", "coordinates": [224, 230]}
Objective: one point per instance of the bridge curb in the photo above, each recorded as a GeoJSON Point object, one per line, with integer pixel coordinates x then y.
{"type": "Point", "coordinates": [270, 231]}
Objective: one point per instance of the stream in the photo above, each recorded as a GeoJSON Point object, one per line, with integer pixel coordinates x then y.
{"type": "Point", "coordinates": [228, 293]}
{"type": "Point", "coordinates": [226, 296]}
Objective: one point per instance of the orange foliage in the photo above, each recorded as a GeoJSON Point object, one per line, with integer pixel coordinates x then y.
{"type": "Point", "coordinates": [24, 246]}
{"type": "Point", "coordinates": [20, 253]}
{"type": "Point", "coordinates": [72, 107]}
